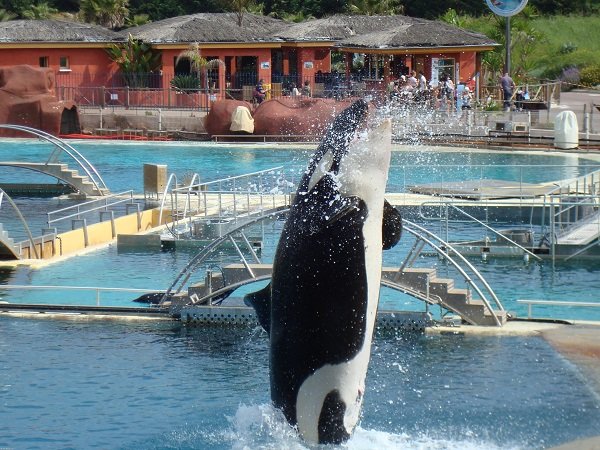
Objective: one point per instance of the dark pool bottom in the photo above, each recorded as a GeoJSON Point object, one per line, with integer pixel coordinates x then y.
{"type": "Point", "coordinates": [67, 384]}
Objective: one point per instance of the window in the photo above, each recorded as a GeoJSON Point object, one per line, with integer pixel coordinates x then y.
{"type": "Point", "coordinates": [44, 61]}
{"type": "Point", "coordinates": [64, 63]}
{"type": "Point", "coordinates": [446, 67]}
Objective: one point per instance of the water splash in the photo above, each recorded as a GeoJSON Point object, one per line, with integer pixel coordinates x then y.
{"type": "Point", "coordinates": [263, 426]}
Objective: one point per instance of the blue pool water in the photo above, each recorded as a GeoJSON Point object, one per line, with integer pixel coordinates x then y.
{"type": "Point", "coordinates": [164, 386]}
{"type": "Point", "coordinates": [68, 384]}
{"type": "Point", "coordinates": [121, 166]}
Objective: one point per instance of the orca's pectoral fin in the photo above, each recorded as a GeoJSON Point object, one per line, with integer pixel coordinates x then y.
{"type": "Point", "coordinates": [261, 302]}
{"type": "Point", "coordinates": [391, 227]}
{"type": "Point", "coordinates": [351, 206]}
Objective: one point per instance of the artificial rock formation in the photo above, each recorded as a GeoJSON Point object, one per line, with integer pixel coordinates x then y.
{"type": "Point", "coordinates": [286, 116]}
{"type": "Point", "coordinates": [296, 116]}
{"type": "Point", "coordinates": [218, 119]}
{"type": "Point", "coordinates": [27, 98]}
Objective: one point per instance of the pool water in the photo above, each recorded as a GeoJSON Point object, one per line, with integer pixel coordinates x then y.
{"type": "Point", "coordinates": [105, 385]}
{"type": "Point", "coordinates": [70, 384]}
{"type": "Point", "coordinates": [121, 166]}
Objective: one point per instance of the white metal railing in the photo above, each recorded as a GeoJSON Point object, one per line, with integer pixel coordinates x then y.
{"type": "Point", "coordinates": [24, 222]}
{"type": "Point", "coordinates": [248, 195]}
{"type": "Point", "coordinates": [531, 303]}
{"type": "Point", "coordinates": [80, 209]}
{"type": "Point", "coordinates": [96, 289]}
{"type": "Point", "coordinates": [448, 205]}
{"type": "Point", "coordinates": [62, 146]}
{"type": "Point", "coordinates": [459, 262]}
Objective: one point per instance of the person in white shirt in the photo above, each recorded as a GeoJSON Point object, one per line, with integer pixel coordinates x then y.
{"type": "Point", "coordinates": [412, 81]}
{"type": "Point", "coordinates": [422, 81]}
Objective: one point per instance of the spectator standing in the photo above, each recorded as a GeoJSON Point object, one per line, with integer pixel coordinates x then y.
{"type": "Point", "coordinates": [508, 85]}
{"type": "Point", "coordinates": [422, 81]}
{"type": "Point", "coordinates": [306, 89]}
{"type": "Point", "coordinates": [412, 81]}
{"type": "Point", "coordinates": [259, 92]}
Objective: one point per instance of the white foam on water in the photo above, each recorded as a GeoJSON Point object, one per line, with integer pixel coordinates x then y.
{"type": "Point", "coordinates": [264, 427]}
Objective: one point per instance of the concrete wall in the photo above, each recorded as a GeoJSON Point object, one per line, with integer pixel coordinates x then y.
{"type": "Point", "coordinates": [97, 234]}
{"type": "Point", "coordinates": [141, 119]}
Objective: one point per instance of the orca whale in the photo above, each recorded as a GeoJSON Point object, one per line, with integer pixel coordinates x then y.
{"type": "Point", "coordinates": [319, 308]}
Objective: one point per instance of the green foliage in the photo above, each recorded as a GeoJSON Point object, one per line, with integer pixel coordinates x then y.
{"type": "Point", "coordinates": [590, 76]}
{"type": "Point", "coordinates": [137, 20]}
{"type": "Point", "coordinates": [186, 83]}
{"type": "Point", "coordinates": [581, 33]}
{"type": "Point", "coordinates": [541, 46]}
{"type": "Point", "coordinates": [108, 13]}
{"type": "Point", "coordinates": [39, 12]}
{"type": "Point", "coordinates": [6, 15]}
{"type": "Point", "coordinates": [136, 59]}
{"type": "Point", "coordinates": [568, 47]}
{"type": "Point", "coordinates": [157, 9]}
{"type": "Point", "coordinates": [375, 7]}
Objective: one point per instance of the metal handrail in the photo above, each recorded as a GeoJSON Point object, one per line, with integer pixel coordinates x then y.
{"type": "Point", "coordinates": [184, 275]}
{"type": "Point", "coordinates": [67, 148]}
{"type": "Point", "coordinates": [206, 184]}
{"type": "Point", "coordinates": [530, 304]}
{"type": "Point", "coordinates": [164, 196]}
{"type": "Point", "coordinates": [447, 256]}
{"type": "Point", "coordinates": [78, 206]}
{"type": "Point", "coordinates": [496, 232]}
{"type": "Point", "coordinates": [23, 221]}
{"type": "Point", "coordinates": [97, 289]}
{"type": "Point", "coordinates": [204, 190]}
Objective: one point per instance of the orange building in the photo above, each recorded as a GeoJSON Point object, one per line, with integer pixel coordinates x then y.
{"type": "Point", "coordinates": [282, 54]}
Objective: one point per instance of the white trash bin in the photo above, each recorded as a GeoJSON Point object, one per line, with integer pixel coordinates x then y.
{"type": "Point", "coordinates": [566, 131]}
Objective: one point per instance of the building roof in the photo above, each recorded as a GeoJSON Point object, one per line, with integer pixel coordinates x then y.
{"type": "Point", "coordinates": [345, 31]}
{"type": "Point", "coordinates": [382, 32]}
{"type": "Point", "coordinates": [337, 27]}
{"type": "Point", "coordinates": [25, 31]}
{"type": "Point", "coordinates": [208, 28]}
{"type": "Point", "coordinates": [418, 33]}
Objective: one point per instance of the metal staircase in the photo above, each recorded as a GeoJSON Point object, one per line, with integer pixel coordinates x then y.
{"type": "Point", "coordinates": [473, 303]}
{"type": "Point", "coordinates": [90, 184]}
{"type": "Point", "coordinates": [7, 245]}
{"type": "Point", "coordinates": [62, 172]}
{"type": "Point", "coordinates": [424, 283]}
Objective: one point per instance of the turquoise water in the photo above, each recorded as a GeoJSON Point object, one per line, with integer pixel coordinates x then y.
{"type": "Point", "coordinates": [68, 384]}
{"type": "Point", "coordinates": [121, 166]}
{"type": "Point", "coordinates": [162, 386]}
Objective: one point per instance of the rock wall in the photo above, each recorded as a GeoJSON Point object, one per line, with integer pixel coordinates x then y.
{"type": "Point", "coordinates": [27, 98]}
{"type": "Point", "coordinates": [286, 116]}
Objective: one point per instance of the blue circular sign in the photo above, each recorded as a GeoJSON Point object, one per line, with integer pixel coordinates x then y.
{"type": "Point", "coordinates": [506, 8]}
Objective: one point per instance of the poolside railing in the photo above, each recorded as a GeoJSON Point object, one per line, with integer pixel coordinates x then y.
{"type": "Point", "coordinates": [229, 198]}
{"type": "Point", "coordinates": [61, 146]}
{"type": "Point", "coordinates": [96, 290]}
{"type": "Point", "coordinates": [103, 205]}
{"type": "Point", "coordinates": [531, 303]}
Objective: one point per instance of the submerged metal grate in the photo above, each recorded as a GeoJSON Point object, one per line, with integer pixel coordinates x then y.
{"type": "Point", "coordinates": [241, 316]}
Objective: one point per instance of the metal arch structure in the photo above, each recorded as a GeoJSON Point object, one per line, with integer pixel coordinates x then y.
{"type": "Point", "coordinates": [473, 279]}
{"type": "Point", "coordinates": [25, 226]}
{"type": "Point", "coordinates": [62, 146]}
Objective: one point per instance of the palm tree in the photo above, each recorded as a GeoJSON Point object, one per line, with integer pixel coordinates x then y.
{"type": "Point", "coordinates": [199, 65]}
{"type": "Point", "coordinates": [39, 12]}
{"type": "Point", "coordinates": [136, 59]}
{"type": "Point", "coordinates": [240, 7]}
{"type": "Point", "coordinates": [108, 13]}
{"type": "Point", "coordinates": [375, 7]}
{"type": "Point", "coordinates": [6, 15]}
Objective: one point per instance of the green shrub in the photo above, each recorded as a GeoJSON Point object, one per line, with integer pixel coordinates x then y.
{"type": "Point", "coordinates": [568, 47]}
{"type": "Point", "coordinates": [186, 83]}
{"type": "Point", "coordinates": [590, 76]}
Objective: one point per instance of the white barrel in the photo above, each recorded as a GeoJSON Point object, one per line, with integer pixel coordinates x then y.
{"type": "Point", "coordinates": [566, 131]}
